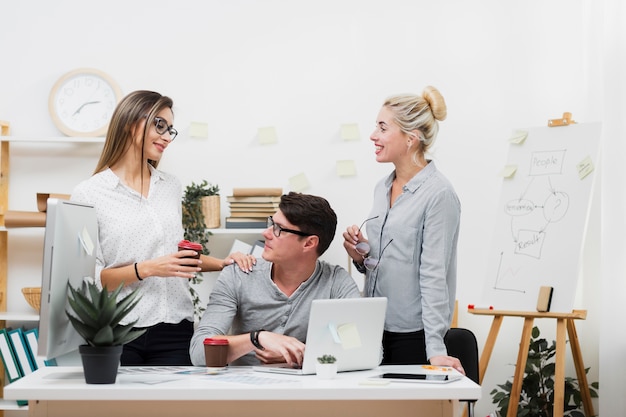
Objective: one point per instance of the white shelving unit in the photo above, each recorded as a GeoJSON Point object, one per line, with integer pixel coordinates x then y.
{"type": "Point", "coordinates": [7, 316]}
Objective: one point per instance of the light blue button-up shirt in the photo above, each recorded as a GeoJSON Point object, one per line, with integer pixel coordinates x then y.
{"type": "Point", "coordinates": [417, 270]}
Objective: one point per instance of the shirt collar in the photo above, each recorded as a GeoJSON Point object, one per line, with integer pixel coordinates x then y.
{"type": "Point", "coordinates": [416, 182]}
{"type": "Point", "coordinates": [111, 180]}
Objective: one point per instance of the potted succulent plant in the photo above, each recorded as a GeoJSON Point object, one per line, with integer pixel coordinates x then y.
{"type": "Point", "coordinates": [326, 367]}
{"type": "Point", "coordinates": [96, 315]}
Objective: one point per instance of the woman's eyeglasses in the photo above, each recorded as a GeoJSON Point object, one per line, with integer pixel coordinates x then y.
{"type": "Point", "coordinates": [161, 127]}
{"type": "Point", "coordinates": [363, 249]}
{"type": "Point", "coordinates": [276, 229]}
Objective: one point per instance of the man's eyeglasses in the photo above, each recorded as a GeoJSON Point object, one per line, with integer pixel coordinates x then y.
{"type": "Point", "coordinates": [161, 127]}
{"type": "Point", "coordinates": [277, 229]}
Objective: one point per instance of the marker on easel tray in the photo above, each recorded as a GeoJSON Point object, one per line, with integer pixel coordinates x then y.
{"type": "Point", "coordinates": [479, 307]}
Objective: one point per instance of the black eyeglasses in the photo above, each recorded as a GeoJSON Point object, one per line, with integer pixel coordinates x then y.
{"type": "Point", "coordinates": [276, 229]}
{"type": "Point", "coordinates": [363, 249]}
{"type": "Point", "coordinates": [161, 127]}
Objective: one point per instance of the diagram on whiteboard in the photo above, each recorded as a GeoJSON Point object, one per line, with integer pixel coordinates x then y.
{"type": "Point", "coordinates": [542, 215]}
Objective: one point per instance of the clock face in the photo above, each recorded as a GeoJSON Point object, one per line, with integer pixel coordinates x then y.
{"type": "Point", "coordinates": [82, 101]}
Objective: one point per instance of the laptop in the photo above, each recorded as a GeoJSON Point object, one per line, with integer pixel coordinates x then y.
{"type": "Point", "coordinates": [350, 329]}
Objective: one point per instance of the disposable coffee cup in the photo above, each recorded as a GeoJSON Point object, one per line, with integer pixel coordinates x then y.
{"type": "Point", "coordinates": [216, 352]}
{"type": "Point", "coordinates": [187, 245]}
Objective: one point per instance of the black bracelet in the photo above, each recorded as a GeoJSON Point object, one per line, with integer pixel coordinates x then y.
{"type": "Point", "coordinates": [254, 338]}
{"type": "Point", "coordinates": [137, 273]}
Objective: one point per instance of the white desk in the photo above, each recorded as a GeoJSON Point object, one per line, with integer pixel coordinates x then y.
{"type": "Point", "coordinates": [61, 391]}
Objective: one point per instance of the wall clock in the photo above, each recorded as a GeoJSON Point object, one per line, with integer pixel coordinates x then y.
{"type": "Point", "coordinates": [82, 101]}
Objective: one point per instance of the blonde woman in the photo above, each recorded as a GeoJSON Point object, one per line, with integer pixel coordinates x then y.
{"type": "Point", "coordinates": [413, 229]}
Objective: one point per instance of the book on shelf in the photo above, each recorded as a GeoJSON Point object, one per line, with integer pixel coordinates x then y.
{"type": "Point", "coordinates": [9, 358]}
{"type": "Point", "coordinates": [253, 199]}
{"type": "Point", "coordinates": [22, 352]}
{"type": "Point", "coordinates": [32, 341]}
{"type": "Point", "coordinates": [251, 192]}
{"type": "Point", "coordinates": [253, 214]}
{"type": "Point", "coordinates": [245, 223]}
{"type": "Point", "coordinates": [253, 206]}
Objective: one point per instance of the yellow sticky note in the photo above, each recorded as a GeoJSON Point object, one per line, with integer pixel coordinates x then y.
{"type": "Point", "coordinates": [199, 130]}
{"type": "Point", "coordinates": [350, 131]}
{"type": "Point", "coordinates": [267, 135]}
{"type": "Point", "coordinates": [509, 171]}
{"type": "Point", "coordinates": [299, 182]}
{"type": "Point", "coordinates": [518, 136]}
{"type": "Point", "coordinates": [346, 168]}
{"type": "Point", "coordinates": [349, 336]}
{"type": "Point", "coordinates": [585, 167]}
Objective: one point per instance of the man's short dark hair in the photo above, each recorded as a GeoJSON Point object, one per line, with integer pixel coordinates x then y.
{"type": "Point", "coordinates": [311, 214]}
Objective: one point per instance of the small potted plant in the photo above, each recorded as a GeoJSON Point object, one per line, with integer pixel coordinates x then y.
{"type": "Point", "coordinates": [96, 316]}
{"type": "Point", "coordinates": [326, 367]}
{"type": "Point", "coordinates": [201, 205]}
{"type": "Point", "coordinates": [201, 210]}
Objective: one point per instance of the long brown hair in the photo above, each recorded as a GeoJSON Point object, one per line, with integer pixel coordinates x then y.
{"type": "Point", "coordinates": [135, 107]}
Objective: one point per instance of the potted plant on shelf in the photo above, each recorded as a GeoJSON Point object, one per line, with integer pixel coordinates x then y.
{"type": "Point", "coordinates": [537, 396]}
{"type": "Point", "coordinates": [196, 197]}
{"type": "Point", "coordinates": [326, 367]}
{"type": "Point", "coordinates": [96, 315]}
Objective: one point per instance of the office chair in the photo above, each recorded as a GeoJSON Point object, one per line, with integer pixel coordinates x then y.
{"type": "Point", "coordinates": [461, 343]}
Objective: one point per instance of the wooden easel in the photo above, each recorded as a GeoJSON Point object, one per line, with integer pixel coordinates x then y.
{"type": "Point", "coordinates": [563, 321]}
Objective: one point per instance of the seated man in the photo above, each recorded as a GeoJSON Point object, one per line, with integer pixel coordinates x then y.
{"type": "Point", "coordinates": [267, 309]}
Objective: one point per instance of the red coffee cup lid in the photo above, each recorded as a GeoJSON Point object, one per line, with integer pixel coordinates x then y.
{"type": "Point", "coordinates": [189, 245]}
{"type": "Point", "coordinates": [212, 341]}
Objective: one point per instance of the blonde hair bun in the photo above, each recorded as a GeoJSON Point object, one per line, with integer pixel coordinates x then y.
{"type": "Point", "coordinates": [436, 102]}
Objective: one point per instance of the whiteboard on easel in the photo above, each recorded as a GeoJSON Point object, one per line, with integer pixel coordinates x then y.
{"type": "Point", "coordinates": [544, 205]}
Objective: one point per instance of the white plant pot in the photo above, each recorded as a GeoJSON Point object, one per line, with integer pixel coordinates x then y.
{"type": "Point", "coordinates": [326, 370]}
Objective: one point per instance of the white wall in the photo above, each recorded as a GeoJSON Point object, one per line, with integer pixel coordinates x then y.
{"type": "Point", "coordinates": [306, 68]}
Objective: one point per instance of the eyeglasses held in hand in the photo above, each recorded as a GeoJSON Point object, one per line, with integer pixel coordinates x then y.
{"type": "Point", "coordinates": [363, 249]}
{"type": "Point", "coordinates": [161, 127]}
{"type": "Point", "coordinates": [276, 229]}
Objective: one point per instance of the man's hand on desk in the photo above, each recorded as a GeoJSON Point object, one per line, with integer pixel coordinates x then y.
{"type": "Point", "coordinates": [278, 348]}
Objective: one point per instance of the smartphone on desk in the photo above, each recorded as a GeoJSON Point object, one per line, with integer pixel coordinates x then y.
{"type": "Point", "coordinates": [419, 377]}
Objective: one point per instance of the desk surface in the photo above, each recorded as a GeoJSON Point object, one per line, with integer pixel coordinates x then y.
{"type": "Point", "coordinates": [236, 383]}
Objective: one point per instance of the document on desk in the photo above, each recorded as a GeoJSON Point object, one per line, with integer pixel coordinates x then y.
{"type": "Point", "coordinates": [160, 374]}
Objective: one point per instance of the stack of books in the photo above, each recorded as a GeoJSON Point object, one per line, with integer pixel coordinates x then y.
{"type": "Point", "coordinates": [250, 207]}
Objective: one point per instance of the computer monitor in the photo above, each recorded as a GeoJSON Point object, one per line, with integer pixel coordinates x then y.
{"type": "Point", "coordinates": [70, 243]}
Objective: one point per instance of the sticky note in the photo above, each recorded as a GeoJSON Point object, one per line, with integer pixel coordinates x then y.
{"type": "Point", "coordinates": [585, 167]}
{"type": "Point", "coordinates": [267, 135]}
{"type": "Point", "coordinates": [509, 171]}
{"type": "Point", "coordinates": [349, 336]}
{"type": "Point", "coordinates": [346, 168]}
{"type": "Point", "coordinates": [299, 182]}
{"type": "Point", "coordinates": [350, 131]}
{"type": "Point", "coordinates": [86, 242]}
{"type": "Point", "coordinates": [199, 130]}
{"type": "Point", "coordinates": [518, 136]}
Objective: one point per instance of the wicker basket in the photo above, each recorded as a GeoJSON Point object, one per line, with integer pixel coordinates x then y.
{"type": "Point", "coordinates": [33, 296]}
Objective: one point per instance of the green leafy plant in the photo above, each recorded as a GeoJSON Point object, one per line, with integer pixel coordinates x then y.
{"type": "Point", "coordinates": [96, 315]}
{"type": "Point", "coordinates": [327, 359]}
{"type": "Point", "coordinates": [537, 396]}
{"type": "Point", "coordinates": [195, 228]}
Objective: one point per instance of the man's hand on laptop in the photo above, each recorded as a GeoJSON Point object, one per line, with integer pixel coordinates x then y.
{"type": "Point", "coordinates": [278, 348]}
